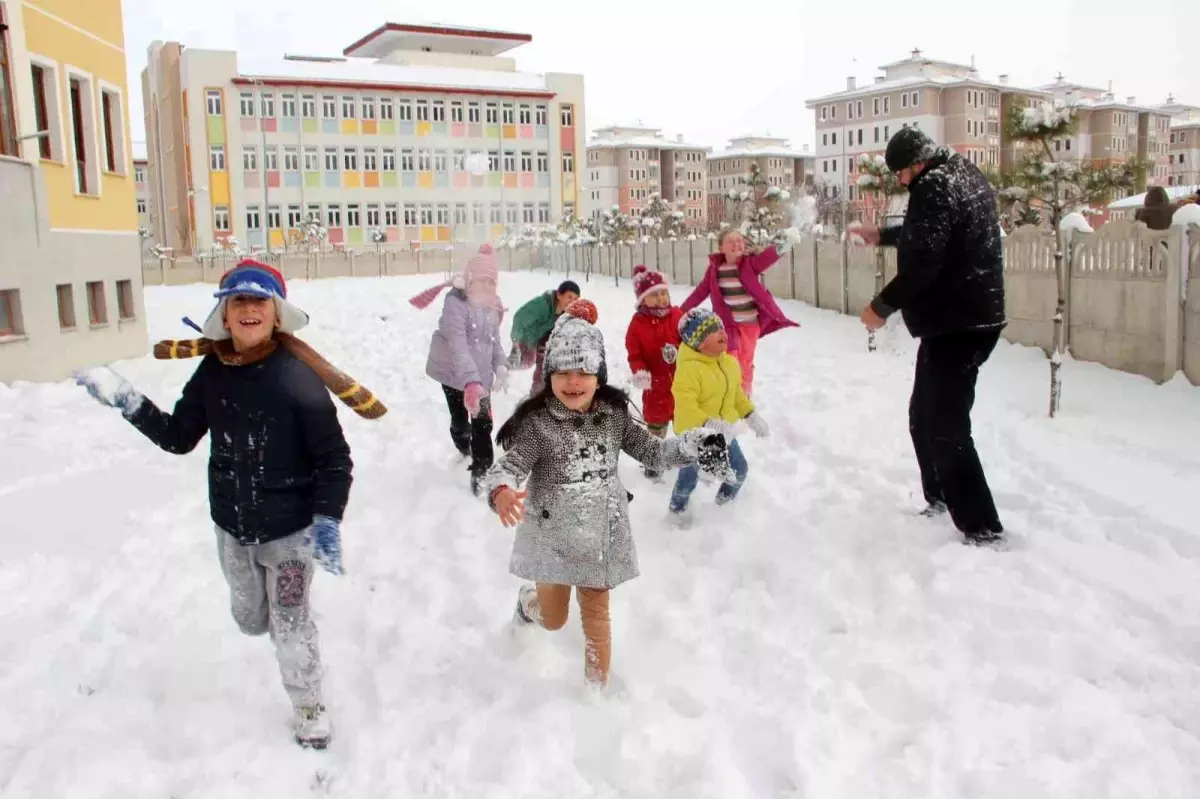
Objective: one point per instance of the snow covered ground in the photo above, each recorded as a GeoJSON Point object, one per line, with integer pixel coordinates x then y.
{"type": "Point", "coordinates": [815, 640]}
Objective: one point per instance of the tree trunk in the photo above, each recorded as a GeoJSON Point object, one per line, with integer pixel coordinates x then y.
{"type": "Point", "coordinates": [1059, 314]}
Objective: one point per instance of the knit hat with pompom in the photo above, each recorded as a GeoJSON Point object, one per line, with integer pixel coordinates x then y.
{"type": "Point", "coordinates": [576, 343]}
{"type": "Point", "coordinates": [697, 324]}
{"type": "Point", "coordinates": [646, 281]}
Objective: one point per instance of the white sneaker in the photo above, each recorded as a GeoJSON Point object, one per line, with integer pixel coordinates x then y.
{"type": "Point", "coordinates": [312, 727]}
{"type": "Point", "coordinates": [522, 616]}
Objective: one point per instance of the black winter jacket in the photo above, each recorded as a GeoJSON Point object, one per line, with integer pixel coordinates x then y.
{"type": "Point", "coordinates": [277, 454]}
{"type": "Point", "coordinates": [950, 261]}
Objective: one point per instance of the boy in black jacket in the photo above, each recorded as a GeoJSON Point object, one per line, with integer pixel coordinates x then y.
{"type": "Point", "coordinates": [279, 469]}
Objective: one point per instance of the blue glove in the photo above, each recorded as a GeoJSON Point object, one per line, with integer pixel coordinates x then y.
{"type": "Point", "coordinates": [110, 389]}
{"type": "Point", "coordinates": [324, 540]}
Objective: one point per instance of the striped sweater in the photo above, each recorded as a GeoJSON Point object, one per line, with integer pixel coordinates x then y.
{"type": "Point", "coordinates": [740, 303]}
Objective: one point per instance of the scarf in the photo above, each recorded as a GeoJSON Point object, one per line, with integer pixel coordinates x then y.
{"type": "Point", "coordinates": [655, 312]}
{"type": "Point", "coordinates": [425, 298]}
{"type": "Point", "coordinates": [357, 397]}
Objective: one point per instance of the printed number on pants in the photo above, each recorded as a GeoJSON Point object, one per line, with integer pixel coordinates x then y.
{"type": "Point", "coordinates": [289, 584]}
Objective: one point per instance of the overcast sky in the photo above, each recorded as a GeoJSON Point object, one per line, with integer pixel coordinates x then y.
{"type": "Point", "coordinates": [743, 67]}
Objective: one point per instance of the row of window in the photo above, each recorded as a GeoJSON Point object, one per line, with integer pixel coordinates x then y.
{"type": "Point", "coordinates": [880, 106]}
{"type": "Point", "coordinates": [386, 108]}
{"type": "Point", "coordinates": [375, 160]}
{"type": "Point", "coordinates": [1180, 137]}
{"type": "Point", "coordinates": [12, 324]}
{"type": "Point", "coordinates": [741, 165]}
{"type": "Point", "coordinates": [374, 215]}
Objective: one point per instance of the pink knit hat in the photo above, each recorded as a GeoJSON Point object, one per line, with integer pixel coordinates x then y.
{"type": "Point", "coordinates": [480, 266]}
{"type": "Point", "coordinates": [646, 282]}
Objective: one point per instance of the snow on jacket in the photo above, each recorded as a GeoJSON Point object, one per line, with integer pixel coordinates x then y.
{"type": "Point", "coordinates": [278, 456]}
{"type": "Point", "coordinates": [949, 256]}
{"type": "Point", "coordinates": [466, 346]}
{"type": "Point", "coordinates": [750, 267]}
{"type": "Point", "coordinates": [576, 526]}
{"type": "Point", "coordinates": [652, 344]}
{"type": "Point", "coordinates": [708, 388]}
{"type": "Point", "coordinates": [534, 320]}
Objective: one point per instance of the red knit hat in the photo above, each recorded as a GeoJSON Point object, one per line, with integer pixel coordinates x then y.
{"type": "Point", "coordinates": [583, 309]}
{"type": "Point", "coordinates": [646, 281]}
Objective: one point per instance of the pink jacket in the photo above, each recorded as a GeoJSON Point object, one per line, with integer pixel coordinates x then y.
{"type": "Point", "coordinates": [770, 317]}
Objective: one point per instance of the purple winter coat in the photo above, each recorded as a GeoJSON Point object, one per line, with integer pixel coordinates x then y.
{"type": "Point", "coordinates": [466, 346]}
{"type": "Point", "coordinates": [770, 317]}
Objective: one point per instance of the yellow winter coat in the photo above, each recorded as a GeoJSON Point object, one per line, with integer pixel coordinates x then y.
{"type": "Point", "coordinates": [707, 388]}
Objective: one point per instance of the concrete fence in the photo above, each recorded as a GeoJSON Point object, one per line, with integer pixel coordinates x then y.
{"type": "Point", "coordinates": [1130, 304]}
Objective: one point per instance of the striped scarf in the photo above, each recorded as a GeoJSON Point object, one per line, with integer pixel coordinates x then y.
{"type": "Point", "coordinates": [357, 397]}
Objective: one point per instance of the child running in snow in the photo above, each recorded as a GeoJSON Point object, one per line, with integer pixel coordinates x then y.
{"type": "Point", "coordinates": [279, 468]}
{"type": "Point", "coordinates": [708, 392]}
{"type": "Point", "coordinates": [531, 328]}
{"type": "Point", "coordinates": [576, 530]}
{"type": "Point", "coordinates": [467, 358]}
{"type": "Point", "coordinates": [746, 309]}
{"type": "Point", "coordinates": [652, 343]}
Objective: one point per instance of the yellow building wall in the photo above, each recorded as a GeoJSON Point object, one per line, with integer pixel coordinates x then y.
{"type": "Point", "coordinates": [88, 37]}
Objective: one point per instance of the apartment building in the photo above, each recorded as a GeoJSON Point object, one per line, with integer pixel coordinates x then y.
{"type": "Point", "coordinates": [778, 162]}
{"type": "Point", "coordinates": [626, 164]}
{"type": "Point", "coordinates": [141, 170]}
{"type": "Point", "coordinates": [427, 134]}
{"type": "Point", "coordinates": [70, 276]}
{"type": "Point", "coordinates": [1184, 143]}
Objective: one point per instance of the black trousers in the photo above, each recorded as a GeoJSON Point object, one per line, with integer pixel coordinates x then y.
{"type": "Point", "coordinates": [939, 418]}
{"type": "Point", "coordinates": [472, 437]}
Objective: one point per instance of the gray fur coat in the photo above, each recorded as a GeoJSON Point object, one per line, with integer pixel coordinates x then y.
{"type": "Point", "coordinates": [576, 526]}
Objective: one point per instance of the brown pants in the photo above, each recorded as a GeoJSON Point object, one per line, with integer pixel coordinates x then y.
{"type": "Point", "coordinates": [550, 609]}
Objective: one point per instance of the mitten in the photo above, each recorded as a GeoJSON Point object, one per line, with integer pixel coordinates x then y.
{"type": "Point", "coordinates": [669, 353]}
{"type": "Point", "coordinates": [324, 540]}
{"type": "Point", "coordinates": [642, 380]}
{"type": "Point", "coordinates": [110, 389]}
{"type": "Point", "coordinates": [500, 382]}
{"type": "Point", "coordinates": [713, 458]}
{"type": "Point", "coordinates": [758, 425]}
{"type": "Point", "coordinates": [472, 397]}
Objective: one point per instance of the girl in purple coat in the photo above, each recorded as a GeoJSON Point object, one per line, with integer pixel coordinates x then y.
{"type": "Point", "coordinates": [740, 299]}
{"type": "Point", "coordinates": [466, 356]}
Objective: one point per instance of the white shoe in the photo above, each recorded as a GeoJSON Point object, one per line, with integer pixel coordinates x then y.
{"type": "Point", "coordinates": [312, 727]}
{"type": "Point", "coordinates": [522, 616]}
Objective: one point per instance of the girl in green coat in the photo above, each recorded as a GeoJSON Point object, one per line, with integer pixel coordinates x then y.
{"type": "Point", "coordinates": [532, 325]}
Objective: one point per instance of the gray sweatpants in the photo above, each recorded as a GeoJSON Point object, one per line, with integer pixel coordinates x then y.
{"type": "Point", "coordinates": [268, 585]}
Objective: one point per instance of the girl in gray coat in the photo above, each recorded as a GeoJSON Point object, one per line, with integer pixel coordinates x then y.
{"type": "Point", "coordinates": [466, 357]}
{"type": "Point", "coordinates": [575, 530]}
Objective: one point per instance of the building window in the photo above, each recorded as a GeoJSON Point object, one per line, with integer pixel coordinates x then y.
{"type": "Point", "coordinates": [424, 161]}
{"type": "Point", "coordinates": [389, 159]}
{"type": "Point", "coordinates": [291, 159]}
{"type": "Point", "coordinates": [456, 111]}
{"type": "Point", "coordinates": [512, 215]}
{"type": "Point", "coordinates": [347, 107]}
{"type": "Point", "coordinates": [312, 159]}
{"type": "Point", "coordinates": [43, 88]}
{"type": "Point", "coordinates": [328, 107]}
{"type": "Point", "coordinates": [543, 162]}
{"type": "Point", "coordinates": [125, 305]}
{"type": "Point", "coordinates": [443, 214]}
{"type": "Point", "coordinates": [268, 106]}
{"type": "Point", "coordinates": [221, 217]}
{"type": "Point", "coordinates": [141, 205]}
{"type": "Point", "coordinates": [253, 220]}
{"type": "Point", "coordinates": [368, 108]}
{"type": "Point", "coordinates": [387, 111]}
{"type": "Point", "coordinates": [567, 116]}
{"type": "Point", "coordinates": [439, 111]}
{"type": "Point", "coordinates": [391, 215]}
{"type": "Point", "coordinates": [114, 139]}
{"type": "Point", "coordinates": [372, 216]}
{"type": "Point", "coordinates": [86, 181]}
{"type": "Point", "coordinates": [293, 216]}
{"type": "Point", "coordinates": [410, 215]}
{"type": "Point", "coordinates": [528, 214]}
{"type": "Point", "coordinates": [331, 159]}
{"type": "Point", "coordinates": [214, 102]}
{"type": "Point", "coordinates": [509, 116]}
{"type": "Point", "coordinates": [473, 113]}
{"type": "Point", "coordinates": [526, 162]}
{"type": "Point", "coordinates": [10, 309]}
{"type": "Point", "coordinates": [274, 217]}
{"type": "Point", "coordinates": [246, 104]}
{"type": "Point", "coordinates": [407, 163]}
{"type": "Point", "coordinates": [422, 110]}
{"type": "Point", "coordinates": [308, 106]}
{"type": "Point", "coordinates": [568, 162]}
{"type": "Point", "coordinates": [405, 110]}
{"type": "Point", "coordinates": [97, 308]}
{"type": "Point", "coordinates": [539, 115]}
{"type": "Point", "coordinates": [493, 114]}
{"type": "Point", "coordinates": [510, 161]}
{"type": "Point", "coordinates": [216, 158]}
{"type": "Point", "coordinates": [440, 161]}
{"type": "Point", "coordinates": [249, 158]}
{"type": "Point", "coordinates": [333, 216]}
{"type": "Point", "coordinates": [543, 213]}
{"type": "Point", "coordinates": [426, 214]}
{"type": "Point", "coordinates": [350, 160]}
{"type": "Point", "coordinates": [66, 306]}
{"type": "Point", "coordinates": [370, 160]}
{"type": "Point", "coordinates": [139, 174]}
{"type": "Point", "coordinates": [525, 115]}
{"type": "Point", "coordinates": [460, 213]}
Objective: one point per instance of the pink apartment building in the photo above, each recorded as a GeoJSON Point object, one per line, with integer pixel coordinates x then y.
{"type": "Point", "coordinates": [626, 164]}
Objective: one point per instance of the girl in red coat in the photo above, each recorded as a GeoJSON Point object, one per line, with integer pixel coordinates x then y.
{"type": "Point", "coordinates": [652, 342]}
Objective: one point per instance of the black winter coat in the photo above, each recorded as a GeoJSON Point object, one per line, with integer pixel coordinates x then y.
{"type": "Point", "coordinates": [277, 455]}
{"type": "Point", "coordinates": [950, 260]}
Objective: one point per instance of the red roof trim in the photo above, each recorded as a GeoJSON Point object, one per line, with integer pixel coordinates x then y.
{"type": "Point", "coordinates": [403, 87]}
{"type": "Point", "coordinates": [436, 30]}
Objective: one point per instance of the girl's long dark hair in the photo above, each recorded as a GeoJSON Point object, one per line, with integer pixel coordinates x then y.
{"type": "Point", "coordinates": [616, 397]}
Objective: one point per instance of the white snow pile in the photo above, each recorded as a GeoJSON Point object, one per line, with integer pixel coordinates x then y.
{"type": "Point", "coordinates": [1046, 117]}
{"type": "Point", "coordinates": [1186, 215]}
{"type": "Point", "coordinates": [867, 180]}
{"type": "Point", "coordinates": [819, 639]}
{"type": "Point", "coordinates": [476, 163]}
{"type": "Point", "coordinates": [1075, 222]}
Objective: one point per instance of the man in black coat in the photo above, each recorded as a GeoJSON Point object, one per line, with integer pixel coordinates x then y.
{"type": "Point", "coordinates": [949, 288]}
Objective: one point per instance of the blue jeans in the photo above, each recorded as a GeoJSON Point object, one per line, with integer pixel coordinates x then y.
{"type": "Point", "coordinates": [685, 484]}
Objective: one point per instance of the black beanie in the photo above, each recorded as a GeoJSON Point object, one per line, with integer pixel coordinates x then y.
{"type": "Point", "coordinates": [907, 147]}
{"type": "Point", "coordinates": [568, 285]}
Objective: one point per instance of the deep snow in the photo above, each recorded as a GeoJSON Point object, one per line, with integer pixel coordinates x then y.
{"type": "Point", "coordinates": [815, 640]}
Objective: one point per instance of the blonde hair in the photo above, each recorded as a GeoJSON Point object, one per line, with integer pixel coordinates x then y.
{"type": "Point", "coordinates": [724, 234]}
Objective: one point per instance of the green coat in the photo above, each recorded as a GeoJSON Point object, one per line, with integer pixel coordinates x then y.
{"type": "Point", "coordinates": [534, 321]}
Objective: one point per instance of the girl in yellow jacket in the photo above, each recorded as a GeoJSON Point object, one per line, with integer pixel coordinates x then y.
{"type": "Point", "coordinates": [708, 392]}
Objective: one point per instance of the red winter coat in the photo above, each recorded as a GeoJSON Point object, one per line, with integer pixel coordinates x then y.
{"type": "Point", "coordinates": [652, 343]}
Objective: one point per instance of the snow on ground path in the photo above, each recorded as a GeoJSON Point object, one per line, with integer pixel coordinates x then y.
{"type": "Point", "coordinates": [813, 640]}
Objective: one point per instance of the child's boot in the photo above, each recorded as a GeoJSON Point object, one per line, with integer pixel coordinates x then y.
{"type": "Point", "coordinates": [522, 616]}
{"type": "Point", "coordinates": [312, 727]}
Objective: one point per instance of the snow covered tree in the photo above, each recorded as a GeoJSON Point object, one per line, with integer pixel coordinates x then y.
{"type": "Point", "coordinates": [756, 208]}
{"type": "Point", "coordinates": [875, 177]}
{"type": "Point", "coordinates": [668, 219]}
{"type": "Point", "coordinates": [617, 227]}
{"type": "Point", "coordinates": [1052, 189]}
